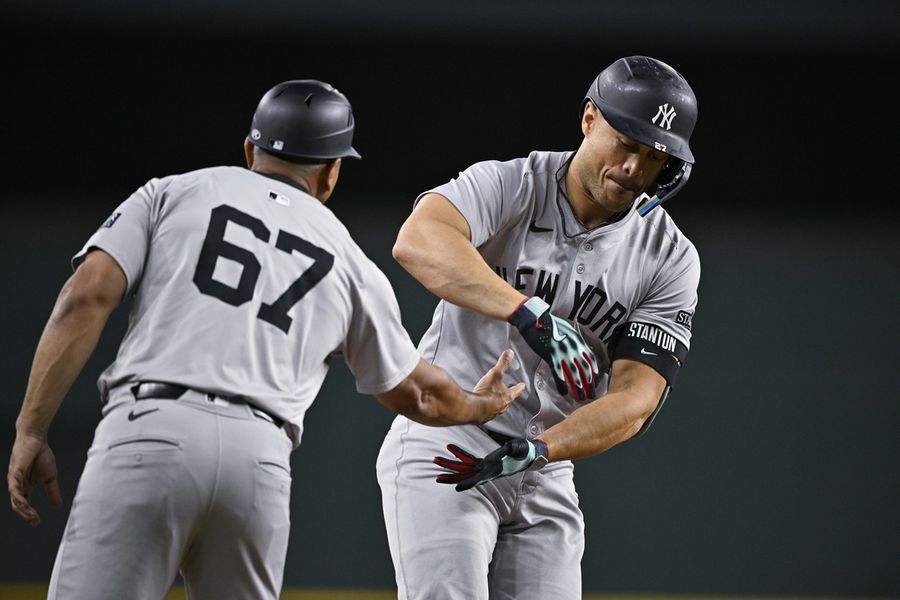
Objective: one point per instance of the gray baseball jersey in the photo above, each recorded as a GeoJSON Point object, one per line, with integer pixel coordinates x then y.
{"type": "Point", "coordinates": [640, 271]}
{"type": "Point", "coordinates": [245, 285]}
{"type": "Point", "coordinates": [631, 287]}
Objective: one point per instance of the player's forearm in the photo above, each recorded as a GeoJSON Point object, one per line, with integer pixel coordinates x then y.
{"type": "Point", "coordinates": [68, 340]}
{"type": "Point", "coordinates": [598, 426]}
{"type": "Point", "coordinates": [635, 390]}
{"type": "Point", "coordinates": [446, 263]}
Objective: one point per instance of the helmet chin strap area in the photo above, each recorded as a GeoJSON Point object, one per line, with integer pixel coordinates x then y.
{"type": "Point", "coordinates": [665, 190]}
{"type": "Point", "coordinates": [647, 203]}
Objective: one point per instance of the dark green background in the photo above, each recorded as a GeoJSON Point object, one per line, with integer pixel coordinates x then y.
{"type": "Point", "coordinates": [773, 468]}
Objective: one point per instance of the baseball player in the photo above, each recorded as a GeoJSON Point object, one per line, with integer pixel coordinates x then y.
{"type": "Point", "coordinates": [244, 286]}
{"type": "Point", "coordinates": [553, 254]}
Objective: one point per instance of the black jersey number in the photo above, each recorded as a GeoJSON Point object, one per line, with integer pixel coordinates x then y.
{"type": "Point", "coordinates": [215, 246]}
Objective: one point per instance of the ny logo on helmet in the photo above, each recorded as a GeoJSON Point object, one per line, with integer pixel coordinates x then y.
{"type": "Point", "coordinates": [667, 115]}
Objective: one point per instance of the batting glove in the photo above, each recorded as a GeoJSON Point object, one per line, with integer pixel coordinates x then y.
{"type": "Point", "coordinates": [512, 457]}
{"type": "Point", "coordinates": [572, 361]}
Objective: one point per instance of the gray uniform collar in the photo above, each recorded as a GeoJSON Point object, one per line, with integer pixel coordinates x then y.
{"type": "Point", "coordinates": [284, 179]}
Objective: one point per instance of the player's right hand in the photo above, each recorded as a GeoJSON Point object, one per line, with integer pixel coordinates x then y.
{"type": "Point", "coordinates": [31, 463]}
{"type": "Point", "coordinates": [512, 457]}
{"type": "Point", "coordinates": [497, 395]}
{"type": "Point", "coordinates": [561, 345]}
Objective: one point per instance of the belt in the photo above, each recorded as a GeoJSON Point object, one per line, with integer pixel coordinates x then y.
{"type": "Point", "coordinates": [498, 437]}
{"type": "Point", "coordinates": [169, 391]}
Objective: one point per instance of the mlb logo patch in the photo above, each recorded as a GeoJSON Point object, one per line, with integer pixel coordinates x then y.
{"type": "Point", "coordinates": [112, 220]}
{"type": "Point", "coordinates": [684, 318]}
{"type": "Point", "coordinates": [279, 198]}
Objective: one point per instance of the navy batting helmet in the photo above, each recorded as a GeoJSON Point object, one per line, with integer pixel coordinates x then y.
{"type": "Point", "coordinates": [304, 118]}
{"type": "Point", "coordinates": [650, 102]}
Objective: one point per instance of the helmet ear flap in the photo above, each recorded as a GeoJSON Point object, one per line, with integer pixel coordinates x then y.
{"type": "Point", "coordinates": [670, 177]}
{"type": "Point", "coordinates": [674, 176]}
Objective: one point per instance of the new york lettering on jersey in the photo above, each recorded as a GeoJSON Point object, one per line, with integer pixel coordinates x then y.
{"type": "Point", "coordinates": [599, 278]}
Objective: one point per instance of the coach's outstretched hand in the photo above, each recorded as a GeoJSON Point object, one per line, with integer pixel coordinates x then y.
{"type": "Point", "coordinates": [571, 360]}
{"type": "Point", "coordinates": [497, 394]}
{"type": "Point", "coordinates": [512, 457]}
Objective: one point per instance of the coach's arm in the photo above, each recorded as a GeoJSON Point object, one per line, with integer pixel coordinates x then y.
{"type": "Point", "coordinates": [70, 336]}
{"type": "Point", "coordinates": [430, 396]}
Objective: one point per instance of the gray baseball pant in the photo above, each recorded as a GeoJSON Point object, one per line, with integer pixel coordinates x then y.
{"type": "Point", "coordinates": [516, 538]}
{"type": "Point", "coordinates": [193, 484]}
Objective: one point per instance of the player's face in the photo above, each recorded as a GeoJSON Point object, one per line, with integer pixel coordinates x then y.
{"type": "Point", "coordinates": [614, 169]}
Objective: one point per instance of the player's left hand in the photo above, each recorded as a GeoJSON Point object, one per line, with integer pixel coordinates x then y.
{"type": "Point", "coordinates": [31, 463]}
{"type": "Point", "coordinates": [512, 457]}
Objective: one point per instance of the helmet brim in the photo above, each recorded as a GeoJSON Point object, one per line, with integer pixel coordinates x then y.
{"type": "Point", "coordinates": [625, 124]}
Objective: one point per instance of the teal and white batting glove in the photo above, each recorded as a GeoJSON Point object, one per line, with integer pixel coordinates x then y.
{"type": "Point", "coordinates": [512, 457]}
{"type": "Point", "coordinates": [561, 345]}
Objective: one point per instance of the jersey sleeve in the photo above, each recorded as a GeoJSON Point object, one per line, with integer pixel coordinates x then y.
{"type": "Point", "coordinates": [125, 235]}
{"type": "Point", "coordinates": [484, 194]}
{"type": "Point", "coordinates": [377, 349]}
{"type": "Point", "coordinates": [658, 331]}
